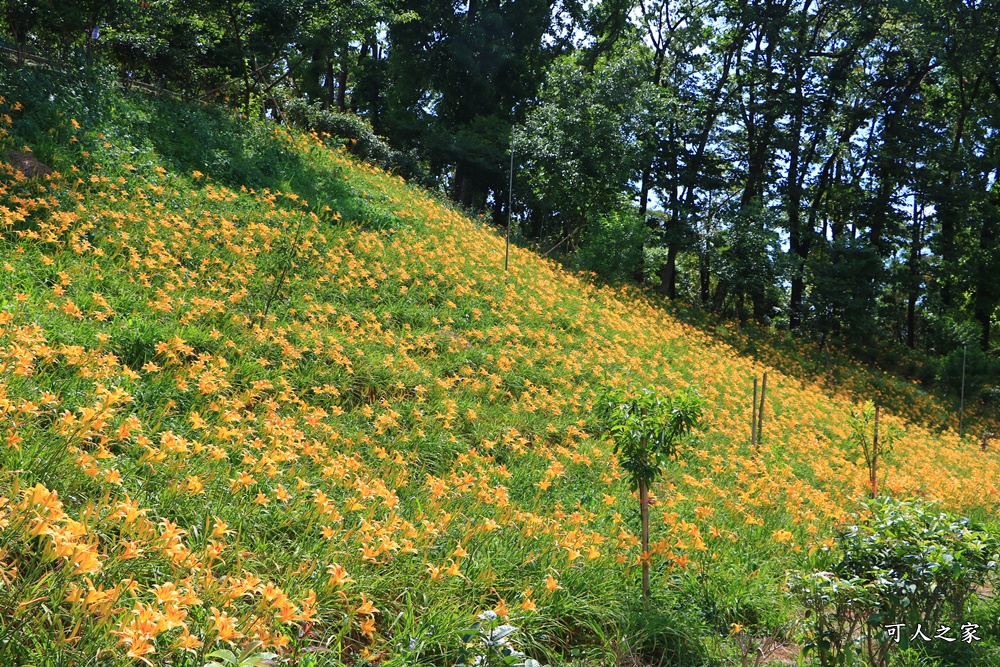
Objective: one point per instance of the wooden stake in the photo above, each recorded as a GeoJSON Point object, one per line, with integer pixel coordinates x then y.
{"type": "Point", "coordinates": [753, 416]}
{"type": "Point", "coordinates": [874, 479]}
{"type": "Point", "coordinates": [760, 419]}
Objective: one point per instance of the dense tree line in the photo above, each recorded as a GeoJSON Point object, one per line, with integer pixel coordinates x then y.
{"type": "Point", "coordinates": [825, 166]}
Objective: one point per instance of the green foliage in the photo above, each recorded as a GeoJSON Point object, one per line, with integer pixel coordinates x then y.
{"type": "Point", "coordinates": [583, 144]}
{"type": "Point", "coordinates": [670, 632]}
{"type": "Point", "coordinates": [747, 251]}
{"type": "Point", "coordinates": [844, 293]}
{"type": "Point", "coordinates": [980, 369]}
{"type": "Point", "coordinates": [646, 428]}
{"type": "Point", "coordinates": [904, 563]}
{"type": "Point", "coordinates": [487, 643]}
{"type": "Point", "coordinates": [247, 658]}
{"type": "Point", "coordinates": [874, 445]}
{"type": "Point", "coordinates": [355, 133]}
{"type": "Point", "coordinates": [145, 131]}
{"type": "Point", "coordinates": [613, 246]}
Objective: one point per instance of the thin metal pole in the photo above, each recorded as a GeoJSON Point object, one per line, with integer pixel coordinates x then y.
{"type": "Point", "coordinates": [961, 405]}
{"type": "Point", "coordinates": [510, 198]}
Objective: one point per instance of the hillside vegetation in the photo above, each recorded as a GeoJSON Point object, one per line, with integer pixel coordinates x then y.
{"type": "Point", "coordinates": [253, 390]}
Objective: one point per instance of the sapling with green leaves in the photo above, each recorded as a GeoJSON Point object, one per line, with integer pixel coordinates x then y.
{"type": "Point", "coordinates": [874, 445]}
{"type": "Point", "coordinates": [646, 428]}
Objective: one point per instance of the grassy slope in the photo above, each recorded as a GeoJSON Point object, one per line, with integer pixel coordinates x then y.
{"type": "Point", "coordinates": [398, 444]}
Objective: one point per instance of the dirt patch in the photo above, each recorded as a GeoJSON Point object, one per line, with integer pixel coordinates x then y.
{"type": "Point", "coordinates": [787, 654]}
{"type": "Point", "coordinates": [27, 164]}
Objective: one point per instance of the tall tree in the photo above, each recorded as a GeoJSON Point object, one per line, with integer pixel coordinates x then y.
{"type": "Point", "coordinates": [461, 74]}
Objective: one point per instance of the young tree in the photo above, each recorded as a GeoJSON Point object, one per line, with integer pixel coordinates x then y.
{"type": "Point", "coordinates": [646, 429]}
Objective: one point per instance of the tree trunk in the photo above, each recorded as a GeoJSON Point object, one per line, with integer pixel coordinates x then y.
{"type": "Point", "coordinates": [644, 515]}
{"type": "Point", "coordinates": [889, 164]}
{"type": "Point", "coordinates": [715, 109]}
{"type": "Point", "coordinates": [342, 85]}
{"type": "Point", "coordinates": [985, 299]}
{"type": "Point", "coordinates": [798, 243]}
{"type": "Point", "coordinates": [911, 303]}
{"type": "Point", "coordinates": [330, 87]}
{"type": "Point", "coordinates": [668, 274]}
{"type": "Point", "coordinates": [704, 279]}
{"type": "Point", "coordinates": [234, 25]}
{"type": "Point", "coordinates": [643, 205]}
{"type": "Point", "coordinates": [719, 298]}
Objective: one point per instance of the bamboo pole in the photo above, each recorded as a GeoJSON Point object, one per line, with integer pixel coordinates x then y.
{"type": "Point", "coordinates": [753, 416]}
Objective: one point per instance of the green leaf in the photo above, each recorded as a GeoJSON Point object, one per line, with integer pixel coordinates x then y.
{"type": "Point", "coordinates": [224, 654]}
{"type": "Point", "coordinates": [499, 633]}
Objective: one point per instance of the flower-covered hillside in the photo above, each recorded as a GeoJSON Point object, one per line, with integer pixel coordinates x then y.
{"type": "Point", "coordinates": [311, 409]}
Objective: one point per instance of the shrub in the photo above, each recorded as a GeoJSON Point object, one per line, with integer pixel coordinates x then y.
{"type": "Point", "coordinates": [905, 568]}
{"type": "Point", "coordinates": [355, 133]}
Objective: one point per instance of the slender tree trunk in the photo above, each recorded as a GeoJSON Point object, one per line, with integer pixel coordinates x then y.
{"type": "Point", "coordinates": [951, 216]}
{"type": "Point", "coordinates": [757, 303]}
{"type": "Point", "coordinates": [647, 168]}
{"type": "Point", "coordinates": [342, 85]}
{"type": "Point", "coordinates": [644, 515]}
{"type": "Point", "coordinates": [984, 316]}
{"type": "Point", "coordinates": [984, 299]}
{"type": "Point", "coordinates": [911, 303]}
{"type": "Point", "coordinates": [643, 204]}
{"type": "Point", "coordinates": [719, 298]}
{"type": "Point", "coordinates": [715, 108]}
{"type": "Point", "coordinates": [798, 242]}
{"type": "Point", "coordinates": [329, 86]}
{"type": "Point", "coordinates": [704, 279]}
{"type": "Point", "coordinates": [837, 218]}
{"type": "Point", "coordinates": [644, 192]}
{"type": "Point", "coordinates": [244, 69]}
